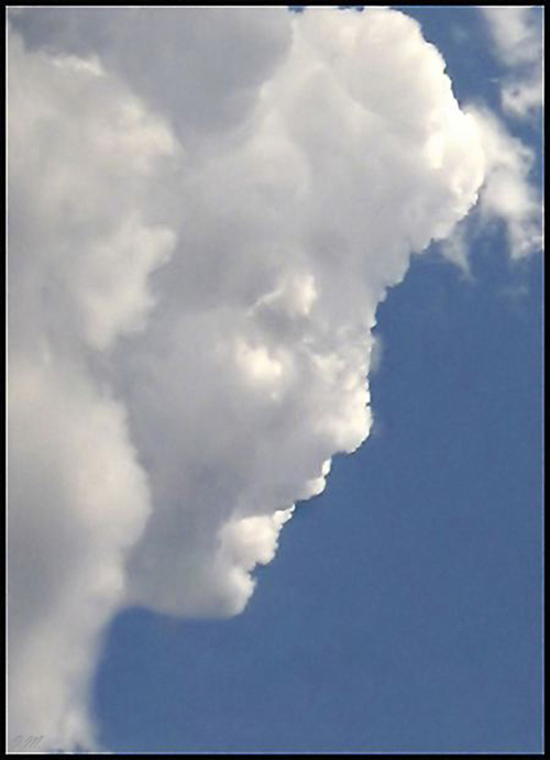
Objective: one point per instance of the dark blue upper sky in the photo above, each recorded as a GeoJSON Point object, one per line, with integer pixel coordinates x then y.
{"type": "Point", "coordinates": [403, 612]}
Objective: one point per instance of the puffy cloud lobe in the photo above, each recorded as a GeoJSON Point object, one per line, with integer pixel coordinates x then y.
{"type": "Point", "coordinates": [201, 68]}
{"type": "Point", "coordinates": [206, 208]}
{"type": "Point", "coordinates": [78, 500]}
{"type": "Point", "coordinates": [82, 151]}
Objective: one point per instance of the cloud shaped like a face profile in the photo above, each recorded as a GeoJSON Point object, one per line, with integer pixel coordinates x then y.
{"type": "Point", "coordinates": [301, 226]}
{"type": "Point", "coordinates": [200, 235]}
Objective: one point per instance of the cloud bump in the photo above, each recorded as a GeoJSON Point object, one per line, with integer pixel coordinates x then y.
{"type": "Point", "coordinates": [206, 208]}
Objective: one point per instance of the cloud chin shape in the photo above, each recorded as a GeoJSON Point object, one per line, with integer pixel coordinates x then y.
{"type": "Point", "coordinates": [199, 240]}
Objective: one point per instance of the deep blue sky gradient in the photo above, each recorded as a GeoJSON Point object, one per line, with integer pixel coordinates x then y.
{"type": "Point", "coordinates": [403, 612]}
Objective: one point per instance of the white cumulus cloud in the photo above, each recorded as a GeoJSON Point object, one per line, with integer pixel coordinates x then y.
{"type": "Point", "coordinates": [206, 207]}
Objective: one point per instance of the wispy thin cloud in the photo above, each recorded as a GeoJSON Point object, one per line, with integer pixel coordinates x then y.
{"type": "Point", "coordinates": [516, 33]}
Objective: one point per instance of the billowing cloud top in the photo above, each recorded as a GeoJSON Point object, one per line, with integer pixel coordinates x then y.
{"type": "Point", "coordinates": [206, 207]}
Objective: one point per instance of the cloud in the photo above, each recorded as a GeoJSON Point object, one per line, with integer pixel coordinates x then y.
{"type": "Point", "coordinates": [516, 33]}
{"type": "Point", "coordinates": [82, 155]}
{"type": "Point", "coordinates": [508, 193]}
{"type": "Point", "coordinates": [206, 207]}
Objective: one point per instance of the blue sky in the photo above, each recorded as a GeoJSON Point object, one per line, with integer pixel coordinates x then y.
{"type": "Point", "coordinates": [191, 309]}
{"type": "Point", "coordinates": [403, 611]}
